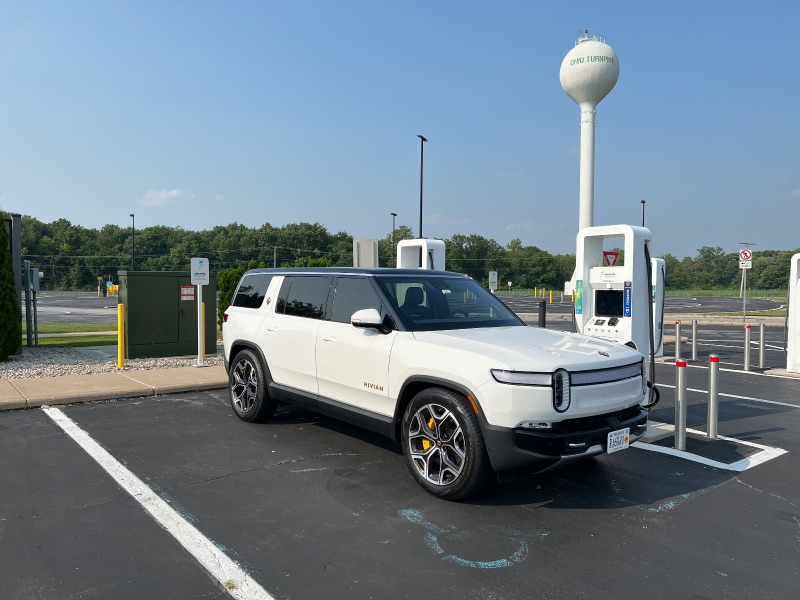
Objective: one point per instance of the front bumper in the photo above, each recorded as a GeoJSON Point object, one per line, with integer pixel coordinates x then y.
{"type": "Point", "coordinates": [512, 449]}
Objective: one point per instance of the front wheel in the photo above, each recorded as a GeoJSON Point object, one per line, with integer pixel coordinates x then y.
{"type": "Point", "coordinates": [248, 389]}
{"type": "Point", "coordinates": [443, 444]}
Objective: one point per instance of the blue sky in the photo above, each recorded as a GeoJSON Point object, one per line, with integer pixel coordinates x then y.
{"type": "Point", "coordinates": [196, 114]}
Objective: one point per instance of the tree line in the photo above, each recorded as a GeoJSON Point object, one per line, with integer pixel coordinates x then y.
{"type": "Point", "coordinates": [73, 257]}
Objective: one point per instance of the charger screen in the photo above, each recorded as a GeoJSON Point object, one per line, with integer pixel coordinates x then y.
{"type": "Point", "coordinates": [608, 303]}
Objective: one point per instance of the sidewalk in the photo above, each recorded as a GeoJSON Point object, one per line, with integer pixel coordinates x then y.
{"type": "Point", "coordinates": [68, 389]}
{"type": "Point", "coordinates": [30, 393]}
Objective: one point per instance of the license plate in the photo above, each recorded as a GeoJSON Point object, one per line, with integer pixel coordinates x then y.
{"type": "Point", "coordinates": [618, 440]}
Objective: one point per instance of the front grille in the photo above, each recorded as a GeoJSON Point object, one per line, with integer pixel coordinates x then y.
{"type": "Point", "coordinates": [597, 421]}
{"type": "Point", "coordinates": [607, 375]}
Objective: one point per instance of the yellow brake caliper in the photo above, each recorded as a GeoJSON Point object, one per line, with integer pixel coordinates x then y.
{"type": "Point", "coordinates": [425, 442]}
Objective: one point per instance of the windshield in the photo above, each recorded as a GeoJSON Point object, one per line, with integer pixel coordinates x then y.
{"type": "Point", "coordinates": [434, 302]}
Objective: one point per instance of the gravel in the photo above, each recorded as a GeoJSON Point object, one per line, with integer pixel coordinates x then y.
{"type": "Point", "coordinates": [54, 362]}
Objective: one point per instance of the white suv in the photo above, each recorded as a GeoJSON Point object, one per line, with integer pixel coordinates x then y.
{"type": "Point", "coordinates": [435, 361]}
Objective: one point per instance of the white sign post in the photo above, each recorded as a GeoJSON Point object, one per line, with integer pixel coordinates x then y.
{"type": "Point", "coordinates": [745, 263]}
{"type": "Point", "coordinates": [200, 277]}
{"type": "Point", "coordinates": [492, 281]}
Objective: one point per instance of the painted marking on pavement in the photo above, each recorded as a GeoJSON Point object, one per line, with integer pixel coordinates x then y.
{"type": "Point", "coordinates": [736, 396]}
{"type": "Point", "coordinates": [766, 453]}
{"type": "Point", "coordinates": [432, 542]}
{"type": "Point", "coordinates": [230, 575]}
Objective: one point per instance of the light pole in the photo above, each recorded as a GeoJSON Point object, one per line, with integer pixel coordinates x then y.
{"type": "Point", "coordinates": [422, 141]}
{"type": "Point", "coordinates": [643, 203]}
{"type": "Point", "coordinates": [394, 252]}
{"type": "Point", "coordinates": [133, 239]}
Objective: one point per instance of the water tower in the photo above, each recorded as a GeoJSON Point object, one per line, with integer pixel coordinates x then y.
{"type": "Point", "coordinates": [588, 73]}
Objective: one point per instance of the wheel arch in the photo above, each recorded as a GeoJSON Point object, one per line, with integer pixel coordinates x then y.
{"type": "Point", "coordinates": [240, 345]}
{"type": "Point", "coordinates": [414, 385]}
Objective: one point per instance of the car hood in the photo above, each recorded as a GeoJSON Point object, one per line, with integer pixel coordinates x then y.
{"type": "Point", "coordinates": [534, 349]}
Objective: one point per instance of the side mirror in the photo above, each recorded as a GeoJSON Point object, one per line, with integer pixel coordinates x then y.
{"type": "Point", "coordinates": [367, 317]}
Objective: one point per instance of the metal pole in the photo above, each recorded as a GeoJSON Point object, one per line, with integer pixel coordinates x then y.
{"type": "Point", "coordinates": [761, 345]}
{"type": "Point", "coordinates": [543, 314]}
{"type": "Point", "coordinates": [274, 256]}
{"type": "Point", "coordinates": [677, 340]}
{"type": "Point", "coordinates": [680, 405]}
{"type": "Point", "coordinates": [422, 141]}
{"type": "Point", "coordinates": [747, 347]}
{"type": "Point", "coordinates": [200, 362]}
{"type": "Point", "coordinates": [35, 316]}
{"type": "Point", "coordinates": [694, 339]}
{"type": "Point", "coordinates": [133, 239]}
{"type": "Point", "coordinates": [744, 296]}
{"type": "Point", "coordinates": [643, 213]}
{"type": "Point", "coordinates": [713, 395]}
{"type": "Point", "coordinates": [393, 257]}
{"type": "Point", "coordinates": [26, 277]}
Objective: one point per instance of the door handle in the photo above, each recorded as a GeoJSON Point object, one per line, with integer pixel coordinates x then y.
{"type": "Point", "coordinates": [329, 338]}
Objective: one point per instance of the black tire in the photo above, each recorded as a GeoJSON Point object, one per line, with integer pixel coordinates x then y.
{"type": "Point", "coordinates": [443, 445]}
{"type": "Point", "coordinates": [247, 386]}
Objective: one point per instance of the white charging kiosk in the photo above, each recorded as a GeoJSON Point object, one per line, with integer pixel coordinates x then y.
{"type": "Point", "coordinates": [613, 302]}
{"type": "Point", "coordinates": [793, 318]}
{"type": "Point", "coordinates": [420, 254]}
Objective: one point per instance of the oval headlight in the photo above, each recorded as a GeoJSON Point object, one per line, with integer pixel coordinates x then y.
{"type": "Point", "coordinates": [561, 390]}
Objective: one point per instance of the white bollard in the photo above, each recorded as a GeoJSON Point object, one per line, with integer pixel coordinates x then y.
{"type": "Point", "coordinates": [713, 396]}
{"type": "Point", "coordinates": [677, 341]}
{"type": "Point", "coordinates": [680, 405]}
{"type": "Point", "coordinates": [747, 347]}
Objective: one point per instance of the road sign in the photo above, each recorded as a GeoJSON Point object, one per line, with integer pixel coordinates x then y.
{"type": "Point", "coordinates": [610, 258]}
{"type": "Point", "coordinates": [492, 280]}
{"type": "Point", "coordinates": [200, 271]}
{"type": "Point", "coordinates": [745, 254]}
{"type": "Point", "coordinates": [745, 264]}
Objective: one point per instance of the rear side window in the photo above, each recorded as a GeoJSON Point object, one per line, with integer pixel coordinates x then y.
{"type": "Point", "coordinates": [252, 290]}
{"type": "Point", "coordinates": [304, 296]}
{"type": "Point", "coordinates": [353, 294]}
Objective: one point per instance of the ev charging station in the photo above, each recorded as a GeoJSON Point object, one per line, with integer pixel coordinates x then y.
{"type": "Point", "coordinates": [793, 318]}
{"type": "Point", "coordinates": [420, 254]}
{"type": "Point", "coordinates": [620, 303]}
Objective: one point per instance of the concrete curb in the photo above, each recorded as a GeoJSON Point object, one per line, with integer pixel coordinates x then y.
{"type": "Point", "coordinates": [69, 389]}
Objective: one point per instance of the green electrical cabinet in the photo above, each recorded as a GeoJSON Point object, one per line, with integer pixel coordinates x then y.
{"type": "Point", "coordinates": [161, 313]}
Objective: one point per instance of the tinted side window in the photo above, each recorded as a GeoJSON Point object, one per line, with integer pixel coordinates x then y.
{"type": "Point", "coordinates": [353, 294]}
{"type": "Point", "coordinates": [304, 296]}
{"type": "Point", "coordinates": [252, 290]}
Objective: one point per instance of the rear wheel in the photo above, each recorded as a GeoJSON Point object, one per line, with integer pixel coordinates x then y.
{"type": "Point", "coordinates": [248, 389]}
{"type": "Point", "coordinates": [443, 444]}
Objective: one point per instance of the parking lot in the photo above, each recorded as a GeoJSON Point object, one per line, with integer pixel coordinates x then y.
{"type": "Point", "coordinates": [308, 507]}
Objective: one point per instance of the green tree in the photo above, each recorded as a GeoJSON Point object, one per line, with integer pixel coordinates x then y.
{"type": "Point", "coordinates": [10, 312]}
{"type": "Point", "coordinates": [226, 285]}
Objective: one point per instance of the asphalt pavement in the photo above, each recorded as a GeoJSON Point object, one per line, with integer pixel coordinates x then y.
{"type": "Point", "coordinates": [153, 492]}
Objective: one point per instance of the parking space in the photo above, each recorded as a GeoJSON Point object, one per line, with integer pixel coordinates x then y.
{"type": "Point", "coordinates": [305, 506]}
{"type": "Point", "coordinates": [311, 507]}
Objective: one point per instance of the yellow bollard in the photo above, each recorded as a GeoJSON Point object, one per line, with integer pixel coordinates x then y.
{"type": "Point", "coordinates": [551, 296]}
{"type": "Point", "coordinates": [120, 336]}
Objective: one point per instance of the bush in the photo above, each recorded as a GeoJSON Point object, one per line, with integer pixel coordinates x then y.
{"type": "Point", "coordinates": [10, 312]}
{"type": "Point", "coordinates": [226, 286]}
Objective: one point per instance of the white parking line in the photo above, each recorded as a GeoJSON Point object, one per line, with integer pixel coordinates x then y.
{"type": "Point", "coordinates": [734, 396]}
{"type": "Point", "coordinates": [230, 575]}
{"type": "Point", "coordinates": [766, 453]}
